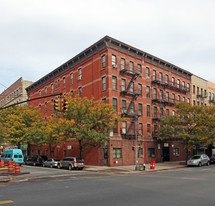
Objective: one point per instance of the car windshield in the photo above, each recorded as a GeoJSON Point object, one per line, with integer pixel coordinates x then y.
{"type": "Point", "coordinates": [195, 157]}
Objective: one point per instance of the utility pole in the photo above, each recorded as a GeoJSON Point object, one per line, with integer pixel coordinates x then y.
{"type": "Point", "coordinates": [136, 158]}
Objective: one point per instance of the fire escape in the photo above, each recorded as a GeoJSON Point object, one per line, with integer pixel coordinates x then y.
{"type": "Point", "coordinates": [129, 112]}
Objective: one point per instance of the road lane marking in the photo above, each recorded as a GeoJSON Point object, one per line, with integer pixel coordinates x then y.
{"type": "Point", "coordinates": [6, 202]}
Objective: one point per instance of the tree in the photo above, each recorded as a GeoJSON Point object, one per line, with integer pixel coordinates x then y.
{"type": "Point", "coordinates": [87, 122]}
{"type": "Point", "coordinates": [191, 125]}
{"type": "Point", "coordinates": [19, 122]}
{"type": "Point", "coordinates": [49, 132]}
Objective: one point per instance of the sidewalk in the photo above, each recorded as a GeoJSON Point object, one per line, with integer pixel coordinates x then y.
{"type": "Point", "coordinates": [6, 177]}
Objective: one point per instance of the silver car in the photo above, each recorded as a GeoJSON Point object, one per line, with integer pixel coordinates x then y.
{"type": "Point", "coordinates": [199, 160]}
{"type": "Point", "coordinates": [51, 163]}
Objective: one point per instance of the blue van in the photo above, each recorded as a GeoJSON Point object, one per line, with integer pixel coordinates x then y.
{"type": "Point", "coordinates": [13, 155]}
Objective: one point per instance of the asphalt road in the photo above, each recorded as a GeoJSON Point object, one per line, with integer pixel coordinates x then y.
{"type": "Point", "coordinates": [187, 186]}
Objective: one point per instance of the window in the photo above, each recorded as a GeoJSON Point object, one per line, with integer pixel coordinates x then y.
{"type": "Point", "coordinates": [173, 112]}
{"type": "Point", "coordinates": [167, 113]}
{"type": "Point", "coordinates": [173, 98]}
{"type": "Point", "coordinates": [64, 82]}
{"type": "Point", "coordinates": [122, 63]}
{"type": "Point", "coordinates": [161, 77]}
{"type": "Point", "coordinates": [176, 152]}
{"type": "Point", "coordinates": [104, 100]}
{"type": "Point", "coordinates": [148, 130]}
{"type": "Point", "coordinates": [194, 102]}
{"type": "Point", "coordinates": [113, 61]}
{"type": "Point", "coordinates": [115, 128]}
{"type": "Point", "coordinates": [148, 91]}
{"type": "Point", "coordinates": [151, 152]}
{"type": "Point", "coordinates": [188, 87]}
{"type": "Point", "coordinates": [45, 107]}
{"type": "Point", "coordinates": [39, 93]}
{"type": "Point", "coordinates": [194, 89]}
{"type": "Point", "coordinates": [140, 89]}
{"type": "Point", "coordinates": [161, 112]}
{"type": "Point", "coordinates": [154, 75]}
{"type": "Point", "coordinates": [132, 109]}
{"type": "Point", "coordinates": [183, 85]}
{"type": "Point", "coordinates": [117, 153]}
{"type": "Point", "coordinates": [124, 127]}
{"type": "Point", "coordinates": [140, 110]}
{"type": "Point", "coordinates": [183, 99]}
{"type": "Point", "coordinates": [197, 90]}
{"type": "Point", "coordinates": [103, 83]}
{"type": "Point", "coordinates": [209, 96]}
{"type": "Point", "coordinates": [103, 61]}
{"type": "Point", "coordinates": [213, 96]}
{"type": "Point", "coordinates": [147, 73]}
{"type": "Point", "coordinates": [155, 112]}
{"type": "Point", "coordinates": [188, 100]}
{"type": "Point", "coordinates": [132, 128]}
{"type": "Point", "coordinates": [71, 78]}
{"type": "Point", "coordinates": [173, 81]}
{"type": "Point", "coordinates": [124, 106]}
{"type": "Point", "coordinates": [123, 84]}
{"type": "Point", "coordinates": [167, 96]}
{"type": "Point", "coordinates": [114, 83]}
{"type": "Point", "coordinates": [79, 74]}
{"type": "Point", "coordinates": [52, 88]}
{"type": "Point", "coordinates": [45, 91]}
{"type": "Point", "coordinates": [80, 91]}
{"type": "Point", "coordinates": [55, 84]}
{"type": "Point", "coordinates": [178, 83]}
{"type": "Point", "coordinates": [139, 69]}
{"type": "Point", "coordinates": [179, 98]}
{"type": "Point", "coordinates": [148, 110]}
{"type": "Point", "coordinates": [132, 87]}
{"type": "Point", "coordinates": [131, 66]}
{"type": "Point", "coordinates": [161, 94]}
{"type": "Point", "coordinates": [166, 79]}
{"type": "Point", "coordinates": [115, 104]}
{"type": "Point", "coordinates": [154, 93]}
{"type": "Point", "coordinates": [140, 129]}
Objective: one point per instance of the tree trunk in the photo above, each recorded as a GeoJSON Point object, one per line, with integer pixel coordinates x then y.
{"type": "Point", "coordinates": [81, 149]}
{"type": "Point", "coordinates": [18, 145]}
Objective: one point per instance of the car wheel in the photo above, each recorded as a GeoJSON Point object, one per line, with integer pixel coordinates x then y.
{"type": "Point", "coordinates": [200, 164]}
{"type": "Point", "coordinates": [58, 166]}
{"type": "Point", "coordinates": [43, 165]}
{"type": "Point", "coordinates": [208, 163]}
{"type": "Point", "coordinates": [51, 166]}
{"type": "Point", "coordinates": [70, 167]}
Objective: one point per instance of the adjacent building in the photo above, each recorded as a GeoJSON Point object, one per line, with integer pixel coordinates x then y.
{"type": "Point", "coordinates": [14, 94]}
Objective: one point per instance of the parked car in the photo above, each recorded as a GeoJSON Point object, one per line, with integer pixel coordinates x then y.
{"type": "Point", "coordinates": [51, 163]}
{"type": "Point", "coordinates": [35, 160]}
{"type": "Point", "coordinates": [71, 163]}
{"type": "Point", "coordinates": [199, 160]}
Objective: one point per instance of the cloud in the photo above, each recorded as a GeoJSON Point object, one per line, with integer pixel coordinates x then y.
{"type": "Point", "coordinates": [37, 36]}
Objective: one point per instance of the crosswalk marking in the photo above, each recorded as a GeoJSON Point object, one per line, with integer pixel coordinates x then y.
{"type": "Point", "coordinates": [6, 202]}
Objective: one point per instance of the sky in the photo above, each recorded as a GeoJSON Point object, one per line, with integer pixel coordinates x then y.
{"type": "Point", "coordinates": [37, 36]}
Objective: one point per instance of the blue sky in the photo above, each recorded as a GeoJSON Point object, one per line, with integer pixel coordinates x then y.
{"type": "Point", "coordinates": [37, 36]}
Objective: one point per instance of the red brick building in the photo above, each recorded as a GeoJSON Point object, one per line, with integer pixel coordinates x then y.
{"type": "Point", "coordinates": [137, 84]}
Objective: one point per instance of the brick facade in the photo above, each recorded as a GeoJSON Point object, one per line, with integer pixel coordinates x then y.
{"type": "Point", "coordinates": [117, 73]}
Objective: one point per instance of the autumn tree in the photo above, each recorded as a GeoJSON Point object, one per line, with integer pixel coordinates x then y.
{"type": "Point", "coordinates": [88, 122]}
{"type": "Point", "coordinates": [49, 132]}
{"type": "Point", "coordinates": [191, 125]}
{"type": "Point", "coordinates": [18, 122]}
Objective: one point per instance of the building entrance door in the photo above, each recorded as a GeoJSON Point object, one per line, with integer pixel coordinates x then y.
{"type": "Point", "coordinates": [165, 153]}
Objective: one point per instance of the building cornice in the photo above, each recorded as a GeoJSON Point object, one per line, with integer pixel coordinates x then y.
{"type": "Point", "coordinates": [104, 43]}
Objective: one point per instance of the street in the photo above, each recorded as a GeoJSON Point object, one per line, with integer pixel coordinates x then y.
{"type": "Point", "coordinates": [187, 186]}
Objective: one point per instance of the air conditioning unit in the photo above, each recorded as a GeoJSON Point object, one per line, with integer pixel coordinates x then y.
{"type": "Point", "coordinates": [124, 111]}
{"type": "Point", "coordinates": [114, 66]}
{"type": "Point", "coordinates": [79, 77]}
